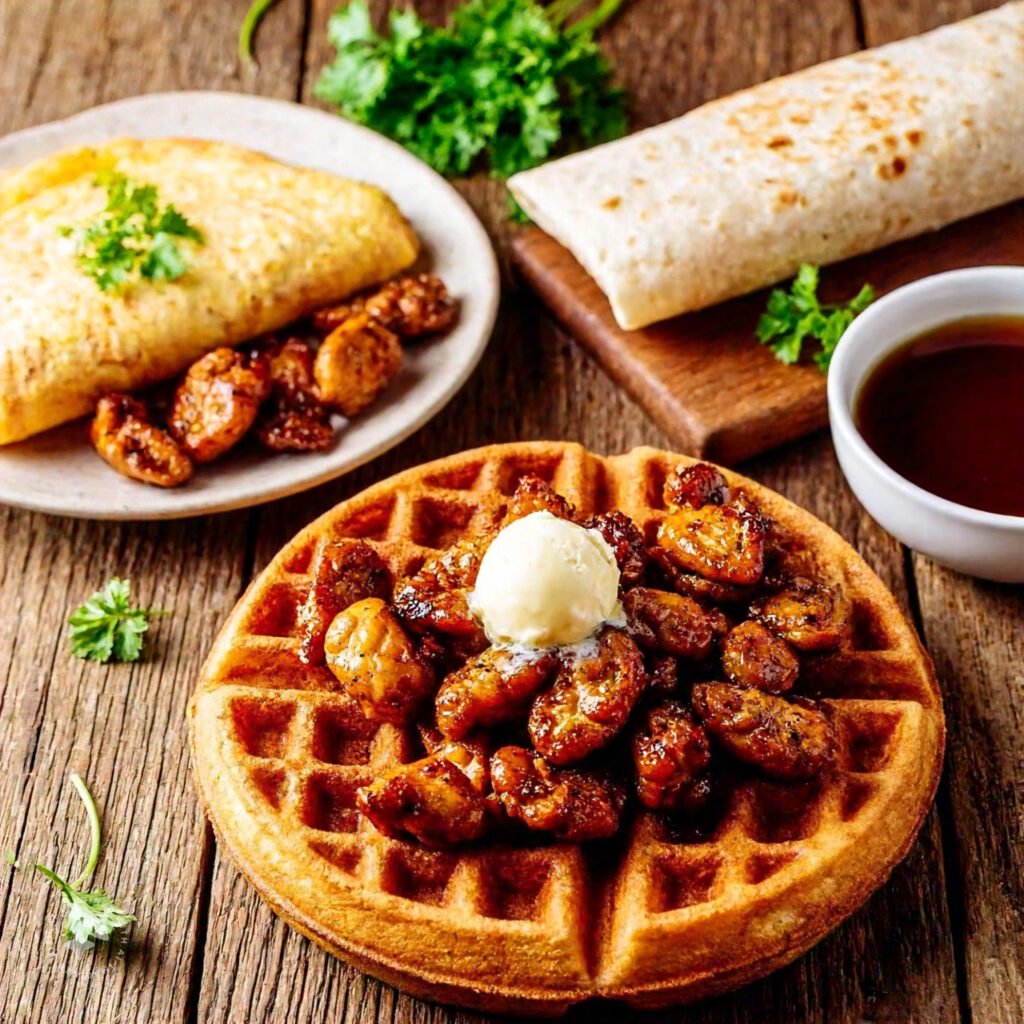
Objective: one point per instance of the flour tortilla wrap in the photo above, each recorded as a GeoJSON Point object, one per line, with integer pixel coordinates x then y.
{"type": "Point", "coordinates": [279, 242]}
{"type": "Point", "coordinates": [835, 160]}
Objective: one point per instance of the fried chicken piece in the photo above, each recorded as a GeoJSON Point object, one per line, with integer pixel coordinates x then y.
{"type": "Point", "coordinates": [411, 307]}
{"type": "Point", "coordinates": [437, 596]}
{"type": "Point", "coordinates": [752, 656]}
{"type": "Point", "coordinates": [785, 740]}
{"type": "Point", "coordinates": [722, 542]}
{"type": "Point", "coordinates": [695, 486]}
{"type": "Point", "coordinates": [292, 430]}
{"type": "Point", "coordinates": [495, 686]}
{"type": "Point", "coordinates": [592, 696]}
{"type": "Point", "coordinates": [217, 401]}
{"type": "Point", "coordinates": [376, 662]}
{"type": "Point", "coordinates": [431, 800]}
{"type": "Point", "coordinates": [123, 436]}
{"type": "Point", "coordinates": [356, 362]}
{"type": "Point", "coordinates": [626, 541]}
{"type": "Point", "coordinates": [345, 571]}
{"type": "Point", "coordinates": [811, 616]}
{"type": "Point", "coordinates": [570, 803]}
{"type": "Point", "coordinates": [661, 621]}
{"type": "Point", "coordinates": [535, 495]}
{"type": "Point", "coordinates": [671, 754]}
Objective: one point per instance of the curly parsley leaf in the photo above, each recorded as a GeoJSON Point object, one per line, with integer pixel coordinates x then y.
{"type": "Point", "coordinates": [133, 236]}
{"type": "Point", "coordinates": [92, 916]}
{"type": "Point", "coordinates": [793, 316]}
{"type": "Point", "coordinates": [107, 627]}
{"type": "Point", "coordinates": [505, 83]}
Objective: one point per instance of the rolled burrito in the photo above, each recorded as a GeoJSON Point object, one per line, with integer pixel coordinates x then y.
{"type": "Point", "coordinates": [279, 241]}
{"type": "Point", "coordinates": [814, 167]}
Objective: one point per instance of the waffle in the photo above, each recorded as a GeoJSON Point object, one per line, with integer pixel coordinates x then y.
{"type": "Point", "coordinates": [657, 917]}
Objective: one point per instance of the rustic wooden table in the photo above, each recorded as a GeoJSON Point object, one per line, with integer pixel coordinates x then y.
{"type": "Point", "coordinates": [943, 941]}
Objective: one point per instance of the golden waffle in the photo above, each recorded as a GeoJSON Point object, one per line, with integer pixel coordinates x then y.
{"type": "Point", "coordinates": [279, 754]}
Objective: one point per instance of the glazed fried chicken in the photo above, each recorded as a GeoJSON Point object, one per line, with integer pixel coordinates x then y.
{"type": "Point", "coordinates": [569, 803]}
{"type": "Point", "coordinates": [720, 542]}
{"type": "Point", "coordinates": [591, 699]}
{"type": "Point", "coordinates": [668, 623]}
{"type": "Point", "coordinates": [377, 663]}
{"type": "Point", "coordinates": [431, 800]}
{"type": "Point", "coordinates": [695, 486]}
{"type": "Point", "coordinates": [752, 656]}
{"type": "Point", "coordinates": [217, 402]}
{"type": "Point", "coordinates": [493, 687]}
{"type": "Point", "coordinates": [345, 571]}
{"type": "Point", "coordinates": [671, 755]}
{"type": "Point", "coordinates": [783, 739]}
{"type": "Point", "coordinates": [355, 363]}
{"type": "Point", "coordinates": [123, 435]}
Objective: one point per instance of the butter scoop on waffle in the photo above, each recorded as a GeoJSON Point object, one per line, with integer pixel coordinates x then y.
{"type": "Point", "coordinates": [654, 917]}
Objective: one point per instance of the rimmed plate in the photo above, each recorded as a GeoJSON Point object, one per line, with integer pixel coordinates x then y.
{"type": "Point", "coordinates": [59, 472]}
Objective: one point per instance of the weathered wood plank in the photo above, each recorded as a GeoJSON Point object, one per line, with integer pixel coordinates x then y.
{"type": "Point", "coordinates": [534, 383]}
{"type": "Point", "coordinates": [122, 727]}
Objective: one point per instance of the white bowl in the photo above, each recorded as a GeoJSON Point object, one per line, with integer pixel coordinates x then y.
{"type": "Point", "coordinates": [979, 543]}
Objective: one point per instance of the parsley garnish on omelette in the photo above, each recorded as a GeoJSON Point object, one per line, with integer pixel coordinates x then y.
{"type": "Point", "coordinates": [134, 236]}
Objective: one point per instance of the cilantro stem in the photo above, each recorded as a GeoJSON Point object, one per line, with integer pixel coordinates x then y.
{"type": "Point", "coordinates": [251, 21]}
{"type": "Point", "coordinates": [596, 18]}
{"type": "Point", "coordinates": [559, 10]}
{"type": "Point", "coordinates": [94, 824]}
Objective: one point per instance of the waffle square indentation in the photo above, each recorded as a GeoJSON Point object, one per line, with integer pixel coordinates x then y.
{"type": "Point", "coordinates": [869, 633]}
{"type": "Point", "coordinates": [262, 725]}
{"type": "Point", "coordinates": [857, 792]}
{"type": "Point", "coordinates": [513, 887]}
{"type": "Point", "coordinates": [784, 812]}
{"type": "Point", "coordinates": [329, 802]}
{"type": "Point", "coordinates": [682, 880]}
{"type": "Point", "coordinates": [867, 739]}
{"type": "Point", "coordinates": [437, 523]}
{"type": "Point", "coordinates": [417, 874]}
{"type": "Point", "coordinates": [762, 866]}
{"type": "Point", "coordinates": [342, 734]}
{"type": "Point", "coordinates": [344, 857]}
{"type": "Point", "coordinates": [271, 784]}
{"type": "Point", "coordinates": [461, 478]}
{"type": "Point", "coordinates": [275, 613]}
{"type": "Point", "coordinates": [367, 522]}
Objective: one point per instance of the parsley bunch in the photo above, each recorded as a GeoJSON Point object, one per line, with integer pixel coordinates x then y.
{"type": "Point", "coordinates": [107, 626]}
{"type": "Point", "coordinates": [797, 314]}
{"type": "Point", "coordinates": [92, 916]}
{"type": "Point", "coordinates": [134, 236]}
{"type": "Point", "coordinates": [504, 83]}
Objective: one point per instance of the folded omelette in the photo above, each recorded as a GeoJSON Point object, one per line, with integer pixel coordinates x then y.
{"type": "Point", "coordinates": [279, 241]}
{"type": "Point", "coordinates": [820, 165]}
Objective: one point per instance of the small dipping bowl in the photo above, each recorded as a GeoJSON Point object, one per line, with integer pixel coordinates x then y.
{"type": "Point", "coordinates": [979, 543]}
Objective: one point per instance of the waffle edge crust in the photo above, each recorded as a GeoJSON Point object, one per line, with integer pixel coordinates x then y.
{"type": "Point", "coordinates": [279, 753]}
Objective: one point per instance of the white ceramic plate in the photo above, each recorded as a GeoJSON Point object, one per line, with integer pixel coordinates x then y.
{"type": "Point", "coordinates": [59, 472]}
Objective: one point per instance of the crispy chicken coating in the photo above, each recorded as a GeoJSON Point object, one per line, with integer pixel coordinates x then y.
{"type": "Point", "coordinates": [411, 307]}
{"type": "Point", "coordinates": [752, 656]}
{"type": "Point", "coordinates": [670, 623]}
{"type": "Point", "coordinates": [217, 401]}
{"type": "Point", "coordinates": [376, 662]}
{"type": "Point", "coordinates": [626, 541]}
{"type": "Point", "coordinates": [431, 800]}
{"type": "Point", "coordinates": [721, 542]}
{"type": "Point", "coordinates": [124, 437]}
{"type": "Point", "coordinates": [437, 596]}
{"type": "Point", "coordinates": [811, 616]}
{"type": "Point", "coordinates": [534, 495]}
{"type": "Point", "coordinates": [671, 754]}
{"type": "Point", "coordinates": [345, 571]}
{"type": "Point", "coordinates": [785, 740]}
{"type": "Point", "coordinates": [590, 700]}
{"type": "Point", "coordinates": [495, 686]}
{"type": "Point", "coordinates": [356, 362]}
{"type": "Point", "coordinates": [570, 803]}
{"type": "Point", "coordinates": [696, 486]}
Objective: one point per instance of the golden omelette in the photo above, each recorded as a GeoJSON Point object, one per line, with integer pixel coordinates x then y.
{"type": "Point", "coordinates": [279, 241]}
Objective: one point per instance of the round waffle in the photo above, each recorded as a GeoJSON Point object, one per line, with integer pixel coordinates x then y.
{"type": "Point", "coordinates": [660, 917]}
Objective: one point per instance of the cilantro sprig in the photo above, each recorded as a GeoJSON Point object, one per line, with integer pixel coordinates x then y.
{"type": "Point", "coordinates": [92, 916]}
{"type": "Point", "coordinates": [133, 237]}
{"type": "Point", "coordinates": [503, 84]}
{"type": "Point", "coordinates": [107, 626]}
{"type": "Point", "coordinates": [795, 315]}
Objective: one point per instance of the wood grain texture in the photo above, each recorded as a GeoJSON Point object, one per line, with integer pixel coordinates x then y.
{"type": "Point", "coordinates": [975, 632]}
{"type": "Point", "coordinates": [206, 949]}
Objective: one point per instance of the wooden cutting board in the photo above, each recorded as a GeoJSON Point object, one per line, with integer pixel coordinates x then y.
{"type": "Point", "coordinates": [703, 377]}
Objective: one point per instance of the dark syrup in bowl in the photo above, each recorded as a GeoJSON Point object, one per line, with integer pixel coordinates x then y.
{"type": "Point", "coordinates": [946, 411]}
